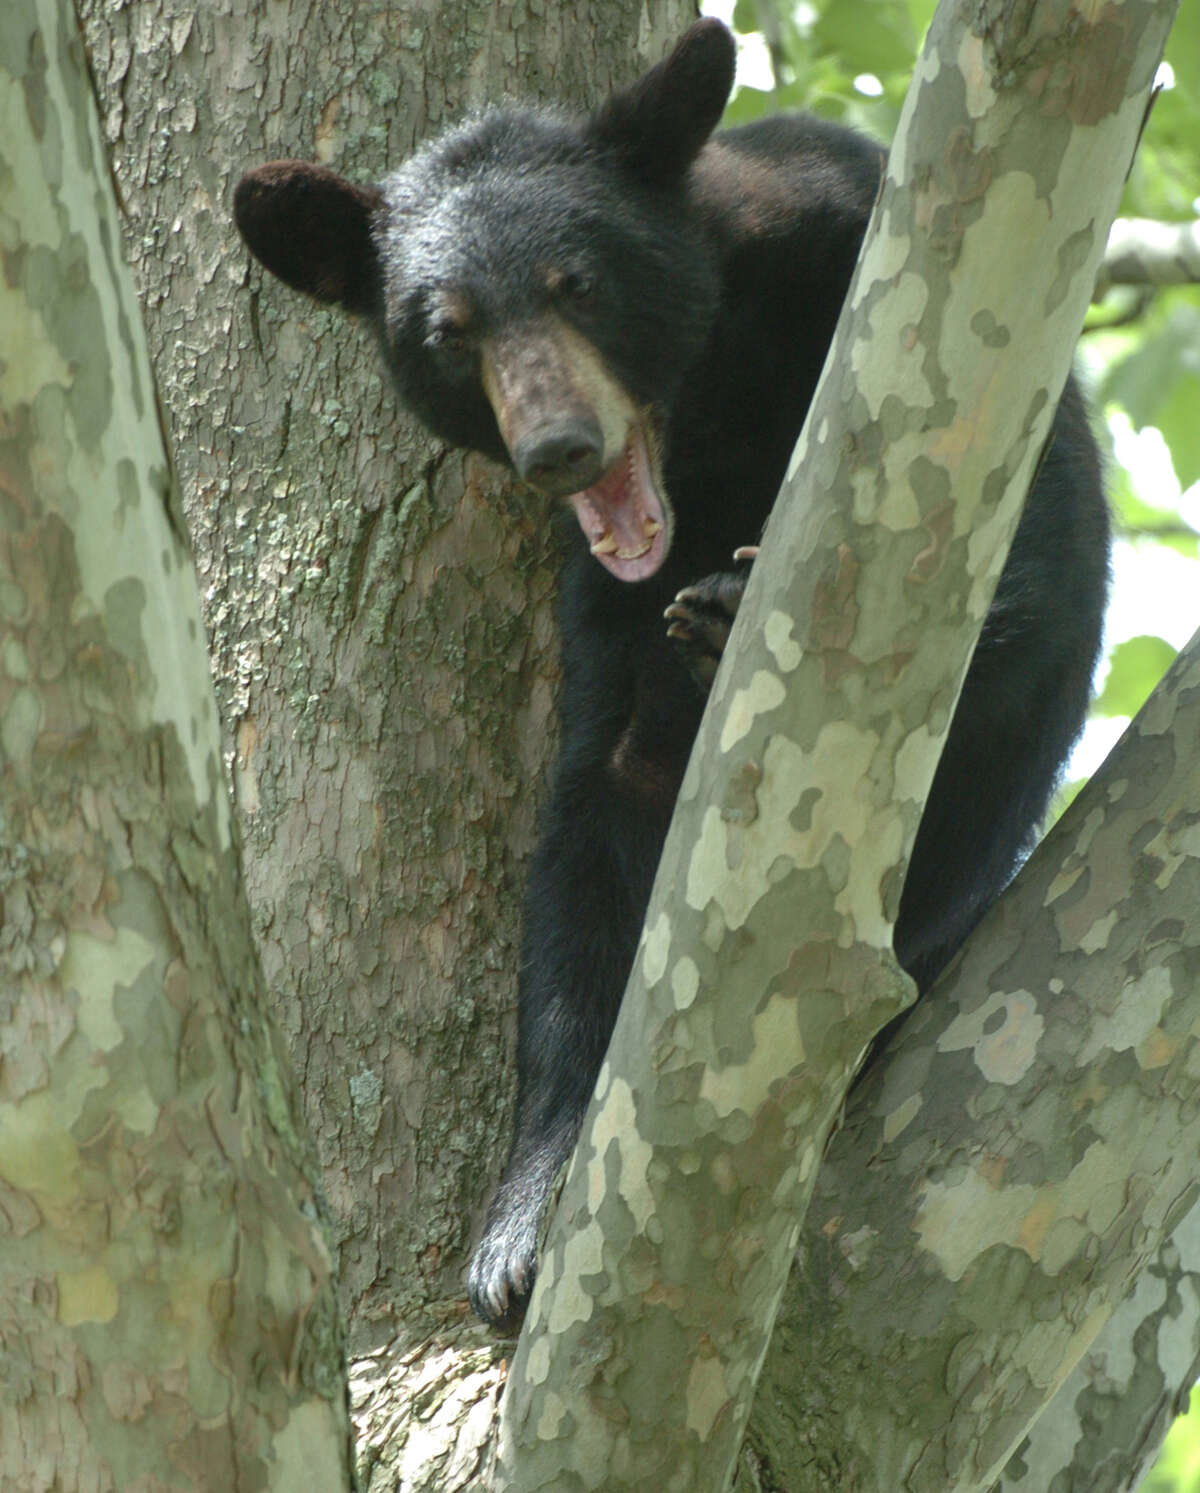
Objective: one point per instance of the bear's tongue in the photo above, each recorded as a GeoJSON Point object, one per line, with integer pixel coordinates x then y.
{"type": "Point", "coordinates": [623, 516]}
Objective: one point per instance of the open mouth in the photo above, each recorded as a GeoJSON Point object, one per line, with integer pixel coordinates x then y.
{"type": "Point", "coordinates": [624, 517]}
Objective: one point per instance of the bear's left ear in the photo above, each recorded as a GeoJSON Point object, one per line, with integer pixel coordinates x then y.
{"type": "Point", "coordinates": [659, 124]}
{"type": "Point", "coordinates": [312, 228]}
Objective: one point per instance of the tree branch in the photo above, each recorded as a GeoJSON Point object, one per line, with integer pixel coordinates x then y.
{"type": "Point", "coordinates": [1105, 1427]}
{"type": "Point", "coordinates": [1026, 1145]}
{"type": "Point", "coordinates": [1142, 251]}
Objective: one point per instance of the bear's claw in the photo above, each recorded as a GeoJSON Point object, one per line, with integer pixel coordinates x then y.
{"type": "Point", "coordinates": [700, 617]}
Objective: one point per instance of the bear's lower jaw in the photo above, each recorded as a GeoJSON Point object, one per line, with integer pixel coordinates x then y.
{"type": "Point", "coordinates": [625, 517]}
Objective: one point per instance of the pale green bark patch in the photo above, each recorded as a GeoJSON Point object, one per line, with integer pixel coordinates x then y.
{"type": "Point", "coordinates": [19, 729]}
{"type": "Point", "coordinates": [1138, 1015]}
{"type": "Point", "coordinates": [1004, 1050]}
{"type": "Point", "coordinates": [777, 633]}
{"type": "Point", "coordinates": [764, 693]}
{"type": "Point", "coordinates": [93, 969]}
{"type": "Point", "coordinates": [88, 1295]}
{"type": "Point", "coordinates": [746, 1085]}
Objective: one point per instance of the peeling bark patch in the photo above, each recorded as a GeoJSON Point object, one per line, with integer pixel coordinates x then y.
{"type": "Point", "coordinates": [707, 1395]}
{"type": "Point", "coordinates": [617, 1136]}
{"type": "Point", "coordinates": [1073, 254]}
{"type": "Point", "coordinates": [88, 1295]}
{"type": "Point", "coordinates": [777, 632]}
{"type": "Point", "coordinates": [764, 693]}
{"type": "Point", "coordinates": [685, 982]}
{"type": "Point", "coordinates": [958, 1221]}
{"type": "Point", "coordinates": [1136, 1018]}
{"type": "Point", "coordinates": [656, 948]}
{"type": "Point", "coordinates": [875, 359]}
{"type": "Point", "coordinates": [734, 865]}
{"type": "Point", "coordinates": [898, 1119]}
{"type": "Point", "coordinates": [979, 94]}
{"type": "Point", "coordinates": [583, 1258]}
{"type": "Point", "coordinates": [75, 324]}
{"type": "Point", "coordinates": [93, 970]}
{"type": "Point", "coordinates": [1086, 94]}
{"type": "Point", "coordinates": [989, 331]}
{"type": "Point", "coordinates": [916, 761]}
{"type": "Point", "coordinates": [1004, 1052]}
{"type": "Point", "coordinates": [746, 1086]}
{"type": "Point", "coordinates": [20, 726]}
{"type": "Point", "coordinates": [38, 1155]}
{"type": "Point", "coordinates": [835, 614]}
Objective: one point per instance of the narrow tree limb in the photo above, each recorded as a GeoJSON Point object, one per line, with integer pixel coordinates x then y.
{"type": "Point", "coordinates": [1142, 251]}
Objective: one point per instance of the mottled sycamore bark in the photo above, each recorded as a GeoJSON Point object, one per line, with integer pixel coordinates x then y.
{"type": "Point", "coordinates": [1004, 1178]}
{"type": "Point", "coordinates": [167, 1313]}
{"type": "Point", "coordinates": [766, 968]}
{"type": "Point", "coordinates": [1104, 1428]}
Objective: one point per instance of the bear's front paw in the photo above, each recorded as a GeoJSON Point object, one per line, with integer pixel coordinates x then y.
{"type": "Point", "coordinates": [700, 617]}
{"type": "Point", "coordinates": [502, 1273]}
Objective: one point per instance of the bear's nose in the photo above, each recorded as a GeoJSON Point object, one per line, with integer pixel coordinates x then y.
{"type": "Point", "coordinates": [562, 456]}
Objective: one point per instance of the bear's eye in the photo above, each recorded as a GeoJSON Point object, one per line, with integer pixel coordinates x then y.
{"type": "Point", "coordinates": [450, 340]}
{"type": "Point", "coordinates": [577, 286]}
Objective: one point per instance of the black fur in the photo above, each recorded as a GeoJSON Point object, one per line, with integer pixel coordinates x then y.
{"type": "Point", "coordinates": [709, 277]}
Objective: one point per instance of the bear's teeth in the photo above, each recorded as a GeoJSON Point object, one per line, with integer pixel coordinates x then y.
{"type": "Point", "coordinates": [651, 527]}
{"type": "Point", "coordinates": [607, 544]}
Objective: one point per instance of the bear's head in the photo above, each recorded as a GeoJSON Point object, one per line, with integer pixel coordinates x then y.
{"type": "Point", "coordinates": [539, 286]}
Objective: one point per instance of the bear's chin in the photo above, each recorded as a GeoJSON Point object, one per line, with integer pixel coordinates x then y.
{"type": "Point", "coordinates": [626, 517]}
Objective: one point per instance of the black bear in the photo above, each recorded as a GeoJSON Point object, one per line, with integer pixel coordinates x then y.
{"type": "Point", "coordinates": [632, 314]}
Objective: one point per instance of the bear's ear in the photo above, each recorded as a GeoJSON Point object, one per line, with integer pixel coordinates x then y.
{"type": "Point", "coordinates": [310, 227]}
{"type": "Point", "coordinates": [659, 124]}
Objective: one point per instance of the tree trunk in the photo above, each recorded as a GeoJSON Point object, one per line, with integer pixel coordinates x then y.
{"type": "Point", "coordinates": [167, 1308]}
{"type": "Point", "coordinates": [379, 616]}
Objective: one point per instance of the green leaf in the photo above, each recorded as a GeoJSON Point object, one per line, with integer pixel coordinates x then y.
{"type": "Point", "coordinates": [1135, 668]}
{"type": "Point", "coordinates": [867, 36]}
{"type": "Point", "coordinates": [920, 13]}
{"type": "Point", "coordinates": [1178, 1466]}
{"type": "Point", "coordinates": [747, 105]}
{"type": "Point", "coordinates": [1144, 383]}
{"type": "Point", "coordinates": [1178, 418]}
{"type": "Point", "coordinates": [745, 17]}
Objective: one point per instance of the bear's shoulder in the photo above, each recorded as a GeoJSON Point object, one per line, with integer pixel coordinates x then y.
{"type": "Point", "coordinates": [787, 174]}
